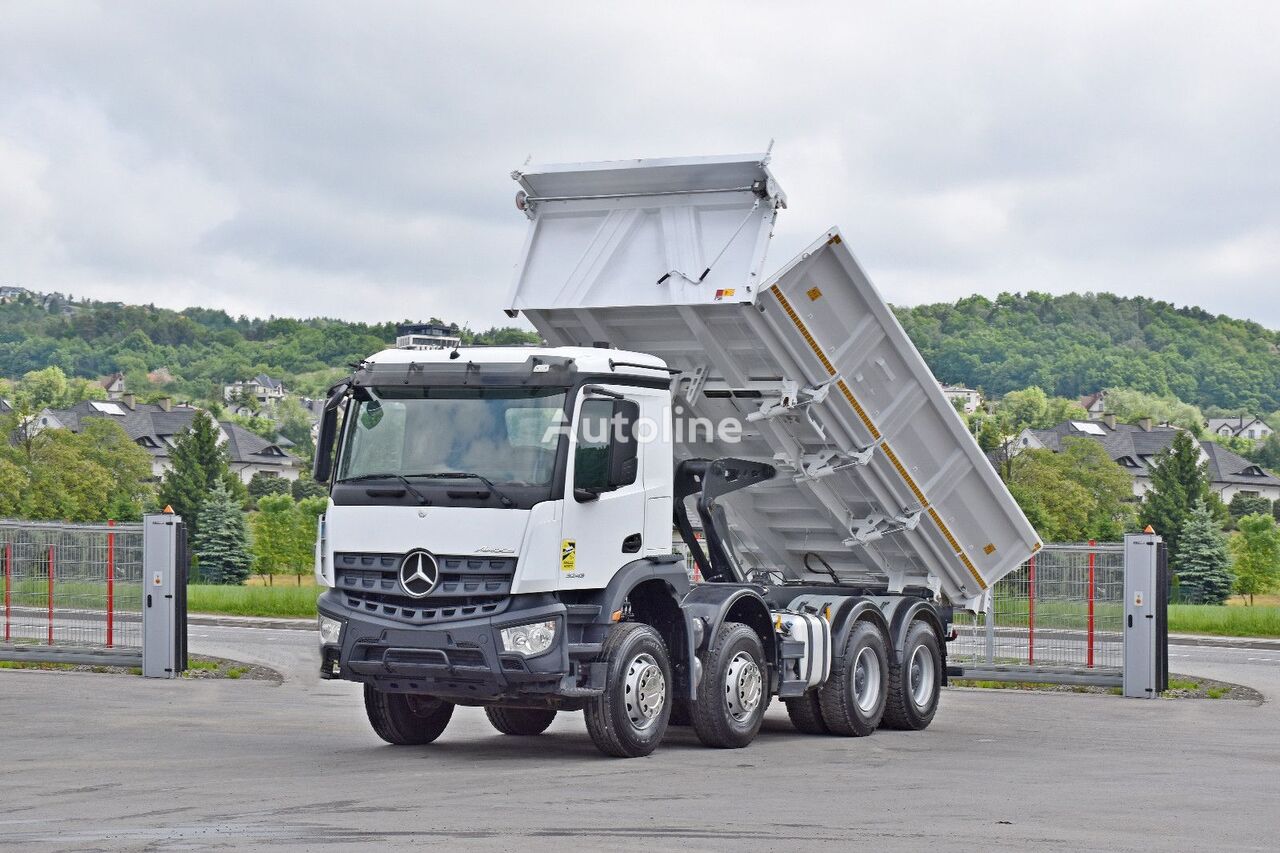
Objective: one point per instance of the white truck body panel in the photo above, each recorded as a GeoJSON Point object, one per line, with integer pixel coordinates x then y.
{"type": "Point", "coordinates": [877, 475]}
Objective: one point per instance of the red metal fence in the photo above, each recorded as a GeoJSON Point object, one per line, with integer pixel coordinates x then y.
{"type": "Point", "coordinates": [72, 584]}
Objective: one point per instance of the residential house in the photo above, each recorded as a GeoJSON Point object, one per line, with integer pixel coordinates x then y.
{"type": "Point", "coordinates": [1134, 447]}
{"type": "Point", "coordinates": [969, 398]}
{"type": "Point", "coordinates": [1245, 426]}
{"type": "Point", "coordinates": [427, 336]}
{"type": "Point", "coordinates": [1094, 404]}
{"type": "Point", "coordinates": [155, 427]}
{"type": "Point", "coordinates": [113, 385]}
{"type": "Point", "coordinates": [262, 388]}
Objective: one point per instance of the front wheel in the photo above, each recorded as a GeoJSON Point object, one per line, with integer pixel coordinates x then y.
{"type": "Point", "coordinates": [630, 717]}
{"type": "Point", "coordinates": [522, 722]}
{"type": "Point", "coordinates": [916, 683]}
{"type": "Point", "coordinates": [406, 719]}
{"type": "Point", "coordinates": [732, 694]}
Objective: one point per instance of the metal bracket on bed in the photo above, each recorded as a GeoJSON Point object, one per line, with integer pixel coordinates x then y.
{"type": "Point", "coordinates": [864, 531]}
{"type": "Point", "coordinates": [795, 397]}
{"type": "Point", "coordinates": [815, 466]}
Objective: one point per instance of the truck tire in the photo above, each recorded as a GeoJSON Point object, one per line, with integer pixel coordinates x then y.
{"type": "Point", "coordinates": [406, 719]}
{"type": "Point", "coordinates": [806, 713]}
{"type": "Point", "coordinates": [916, 683]}
{"type": "Point", "coordinates": [732, 694]}
{"type": "Point", "coordinates": [523, 722]}
{"type": "Point", "coordinates": [630, 717]}
{"type": "Point", "coordinates": [853, 696]}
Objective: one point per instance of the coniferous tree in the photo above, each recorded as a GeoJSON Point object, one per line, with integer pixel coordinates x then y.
{"type": "Point", "coordinates": [222, 542]}
{"type": "Point", "coordinates": [199, 463]}
{"type": "Point", "coordinates": [1203, 567]}
{"type": "Point", "coordinates": [1179, 478]}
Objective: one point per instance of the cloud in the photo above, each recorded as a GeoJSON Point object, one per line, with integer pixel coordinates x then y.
{"type": "Point", "coordinates": [302, 159]}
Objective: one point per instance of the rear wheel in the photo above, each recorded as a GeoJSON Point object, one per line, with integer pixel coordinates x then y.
{"type": "Point", "coordinates": [916, 683]}
{"type": "Point", "coordinates": [406, 719]}
{"type": "Point", "coordinates": [806, 713]}
{"type": "Point", "coordinates": [629, 718]}
{"type": "Point", "coordinates": [732, 694]}
{"type": "Point", "coordinates": [853, 697]}
{"type": "Point", "coordinates": [520, 721]}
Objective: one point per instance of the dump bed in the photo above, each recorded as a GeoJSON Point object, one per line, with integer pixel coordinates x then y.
{"type": "Point", "coordinates": [877, 476]}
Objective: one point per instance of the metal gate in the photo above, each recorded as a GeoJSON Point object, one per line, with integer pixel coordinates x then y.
{"type": "Point", "coordinates": [72, 592]}
{"type": "Point", "coordinates": [1058, 619]}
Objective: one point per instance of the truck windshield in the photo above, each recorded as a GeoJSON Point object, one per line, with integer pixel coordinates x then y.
{"type": "Point", "coordinates": [507, 435]}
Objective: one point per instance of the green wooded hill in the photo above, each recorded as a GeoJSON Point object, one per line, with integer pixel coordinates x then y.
{"type": "Point", "coordinates": [190, 353]}
{"type": "Point", "coordinates": [1079, 343]}
{"type": "Point", "coordinates": [1068, 345]}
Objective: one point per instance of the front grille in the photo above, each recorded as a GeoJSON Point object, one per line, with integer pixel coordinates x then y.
{"type": "Point", "coordinates": [468, 587]}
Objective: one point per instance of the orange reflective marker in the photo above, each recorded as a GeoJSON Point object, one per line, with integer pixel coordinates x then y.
{"type": "Point", "coordinates": [1149, 529]}
{"type": "Point", "coordinates": [168, 510]}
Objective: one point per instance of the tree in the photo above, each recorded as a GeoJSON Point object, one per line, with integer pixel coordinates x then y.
{"type": "Point", "coordinates": [1256, 549]}
{"type": "Point", "coordinates": [1130, 406]}
{"type": "Point", "coordinates": [263, 484]}
{"type": "Point", "coordinates": [1073, 495]}
{"type": "Point", "coordinates": [305, 487]}
{"type": "Point", "coordinates": [1203, 567]}
{"type": "Point", "coordinates": [1244, 504]}
{"type": "Point", "coordinates": [105, 442]}
{"type": "Point", "coordinates": [295, 425]}
{"type": "Point", "coordinates": [222, 543]}
{"type": "Point", "coordinates": [199, 463]}
{"type": "Point", "coordinates": [1179, 480]}
{"type": "Point", "coordinates": [284, 535]}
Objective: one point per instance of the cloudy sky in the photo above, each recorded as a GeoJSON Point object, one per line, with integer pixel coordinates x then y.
{"type": "Point", "coordinates": [353, 160]}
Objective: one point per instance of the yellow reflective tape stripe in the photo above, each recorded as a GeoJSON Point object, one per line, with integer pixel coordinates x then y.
{"type": "Point", "coordinates": [968, 565]}
{"type": "Point", "coordinates": [902, 472]}
{"type": "Point", "coordinates": [862, 413]}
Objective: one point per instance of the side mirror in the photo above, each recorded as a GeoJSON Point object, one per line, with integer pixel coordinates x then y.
{"type": "Point", "coordinates": [322, 465]}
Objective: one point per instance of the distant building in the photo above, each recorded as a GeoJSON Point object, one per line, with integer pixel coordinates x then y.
{"type": "Point", "coordinates": [155, 427]}
{"type": "Point", "coordinates": [427, 336]}
{"type": "Point", "coordinates": [1134, 447]}
{"type": "Point", "coordinates": [11, 293]}
{"type": "Point", "coordinates": [113, 385]}
{"type": "Point", "coordinates": [1094, 404]}
{"type": "Point", "coordinates": [968, 398]}
{"type": "Point", "coordinates": [1245, 426]}
{"type": "Point", "coordinates": [262, 388]}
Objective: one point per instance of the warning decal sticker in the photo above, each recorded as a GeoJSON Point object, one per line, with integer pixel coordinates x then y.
{"type": "Point", "coordinates": [568, 554]}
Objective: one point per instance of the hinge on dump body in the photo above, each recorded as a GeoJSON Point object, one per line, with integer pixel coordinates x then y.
{"type": "Point", "coordinates": [796, 397]}
{"type": "Point", "coordinates": [815, 466]}
{"type": "Point", "coordinates": [878, 525]}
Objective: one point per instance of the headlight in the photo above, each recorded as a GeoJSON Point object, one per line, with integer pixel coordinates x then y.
{"type": "Point", "coordinates": [330, 630]}
{"type": "Point", "coordinates": [532, 639]}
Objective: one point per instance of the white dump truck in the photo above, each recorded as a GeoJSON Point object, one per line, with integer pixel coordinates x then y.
{"type": "Point", "coordinates": [500, 527]}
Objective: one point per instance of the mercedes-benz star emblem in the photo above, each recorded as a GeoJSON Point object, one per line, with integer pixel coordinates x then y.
{"type": "Point", "coordinates": [419, 573]}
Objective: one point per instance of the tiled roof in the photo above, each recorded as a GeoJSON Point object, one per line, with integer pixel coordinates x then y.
{"type": "Point", "coordinates": [149, 425]}
{"type": "Point", "coordinates": [1139, 446]}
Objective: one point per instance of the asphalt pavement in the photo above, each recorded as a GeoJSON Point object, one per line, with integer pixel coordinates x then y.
{"type": "Point", "coordinates": [91, 761]}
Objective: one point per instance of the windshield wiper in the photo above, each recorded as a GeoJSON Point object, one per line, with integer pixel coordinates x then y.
{"type": "Point", "coordinates": [460, 475]}
{"type": "Point", "coordinates": [422, 499]}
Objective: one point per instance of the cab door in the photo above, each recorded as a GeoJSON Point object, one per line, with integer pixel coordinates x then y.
{"type": "Point", "coordinates": [603, 525]}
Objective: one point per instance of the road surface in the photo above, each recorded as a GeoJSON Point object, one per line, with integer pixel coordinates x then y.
{"type": "Point", "coordinates": [118, 762]}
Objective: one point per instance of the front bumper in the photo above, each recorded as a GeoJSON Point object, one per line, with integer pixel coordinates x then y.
{"type": "Point", "coordinates": [461, 661]}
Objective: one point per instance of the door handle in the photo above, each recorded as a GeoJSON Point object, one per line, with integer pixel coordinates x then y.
{"type": "Point", "coordinates": [631, 544]}
{"type": "Point", "coordinates": [1130, 620]}
{"type": "Point", "coordinates": [148, 599]}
